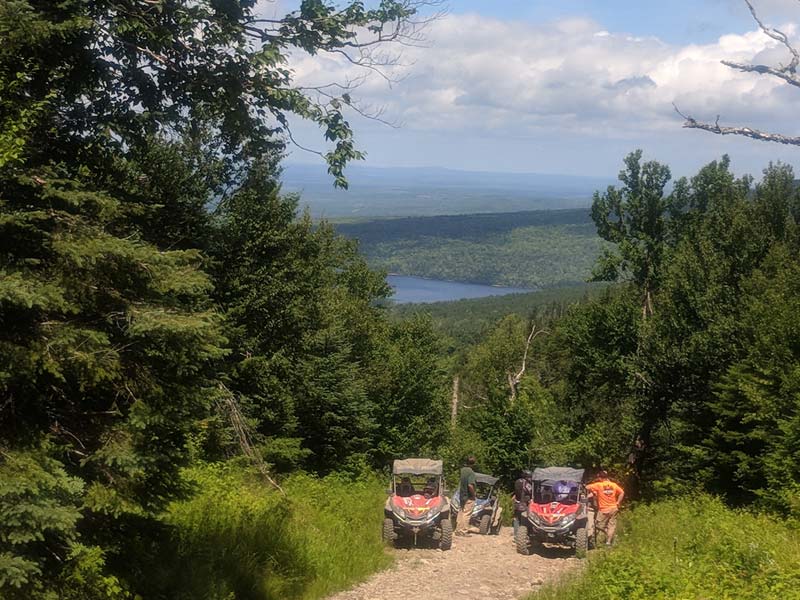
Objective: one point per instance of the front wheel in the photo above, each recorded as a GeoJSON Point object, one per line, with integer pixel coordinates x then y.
{"type": "Point", "coordinates": [522, 540]}
{"type": "Point", "coordinates": [581, 543]}
{"type": "Point", "coordinates": [388, 530]}
{"type": "Point", "coordinates": [446, 540]}
{"type": "Point", "coordinates": [485, 524]}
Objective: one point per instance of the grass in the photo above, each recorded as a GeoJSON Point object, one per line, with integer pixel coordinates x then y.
{"type": "Point", "coordinates": [691, 549]}
{"type": "Point", "coordinates": [238, 538]}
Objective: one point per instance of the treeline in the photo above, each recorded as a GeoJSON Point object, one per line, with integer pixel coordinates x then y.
{"type": "Point", "coordinates": [162, 304]}
{"type": "Point", "coordinates": [684, 377]}
{"type": "Point", "coordinates": [464, 323]}
{"type": "Point", "coordinates": [523, 249]}
{"type": "Point", "coordinates": [473, 227]}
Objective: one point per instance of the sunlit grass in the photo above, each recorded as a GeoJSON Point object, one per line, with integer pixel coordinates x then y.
{"type": "Point", "coordinates": [688, 549]}
{"type": "Point", "coordinates": [239, 538]}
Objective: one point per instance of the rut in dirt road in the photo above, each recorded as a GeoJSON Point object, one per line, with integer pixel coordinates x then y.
{"type": "Point", "coordinates": [478, 566]}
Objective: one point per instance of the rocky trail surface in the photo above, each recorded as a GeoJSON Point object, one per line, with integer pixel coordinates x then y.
{"type": "Point", "coordinates": [478, 566]}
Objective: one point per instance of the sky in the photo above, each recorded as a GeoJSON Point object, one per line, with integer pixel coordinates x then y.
{"type": "Point", "coordinates": [571, 86]}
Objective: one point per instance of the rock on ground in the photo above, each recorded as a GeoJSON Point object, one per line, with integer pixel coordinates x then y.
{"type": "Point", "coordinates": [478, 566]}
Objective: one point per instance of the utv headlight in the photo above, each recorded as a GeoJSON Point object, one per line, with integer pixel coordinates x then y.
{"type": "Point", "coordinates": [567, 520]}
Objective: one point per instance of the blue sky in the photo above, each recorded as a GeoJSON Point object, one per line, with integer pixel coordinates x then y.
{"type": "Point", "coordinates": [675, 21]}
{"type": "Point", "coordinates": [571, 86]}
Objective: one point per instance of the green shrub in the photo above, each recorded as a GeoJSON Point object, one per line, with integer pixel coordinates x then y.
{"type": "Point", "coordinates": [239, 538]}
{"type": "Point", "coordinates": [691, 548]}
{"type": "Point", "coordinates": [507, 504]}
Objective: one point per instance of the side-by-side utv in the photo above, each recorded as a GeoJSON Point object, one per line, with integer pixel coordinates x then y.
{"type": "Point", "coordinates": [417, 505]}
{"type": "Point", "coordinates": [558, 512]}
{"type": "Point", "coordinates": [487, 512]}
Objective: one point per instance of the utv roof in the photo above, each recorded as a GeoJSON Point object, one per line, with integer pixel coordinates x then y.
{"type": "Point", "coordinates": [558, 474]}
{"type": "Point", "coordinates": [487, 479]}
{"type": "Point", "coordinates": [417, 466]}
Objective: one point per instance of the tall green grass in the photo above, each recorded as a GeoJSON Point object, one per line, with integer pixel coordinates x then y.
{"type": "Point", "coordinates": [236, 538]}
{"type": "Point", "coordinates": [689, 549]}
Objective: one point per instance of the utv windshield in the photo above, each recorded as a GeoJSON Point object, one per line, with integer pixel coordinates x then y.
{"type": "Point", "coordinates": [411, 484]}
{"type": "Point", "coordinates": [564, 492]}
{"type": "Point", "coordinates": [484, 484]}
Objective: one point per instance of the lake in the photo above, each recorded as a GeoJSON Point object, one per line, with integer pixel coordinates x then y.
{"type": "Point", "coordinates": [418, 289]}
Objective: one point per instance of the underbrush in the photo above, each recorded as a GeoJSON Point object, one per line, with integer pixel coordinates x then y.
{"type": "Point", "coordinates": [691, 549]}
{"type": "Point", "coordinates": [237, 538]}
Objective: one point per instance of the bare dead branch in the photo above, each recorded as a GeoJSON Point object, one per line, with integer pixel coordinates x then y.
{"type": "Point", "coordinates": [514, 379]}
{"type": "Point", "coordinates": [227, 406]}
{"type": "Point", "coordinates": [787, 73]}
{"type": "Point", "coordinates": [778, 36]}
{"type": "Point", "coordinates": [454, 401]}
{"type": "Point", "coordinates": [789, 77]}
{"type": "Point", "coordinates": [692, 123]}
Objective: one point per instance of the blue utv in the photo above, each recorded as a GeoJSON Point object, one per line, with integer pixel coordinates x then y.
{"type": "Point", "coordinates": [487, 512]}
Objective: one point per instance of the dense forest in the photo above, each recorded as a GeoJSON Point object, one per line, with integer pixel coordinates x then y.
{"type": "Point", "coordinates": [682, 375]}
{"type": "Point", "coordinates": [192, 372]}
{"type": "Point", "coordinates": [163, 305]}
{"type": "Point", "coordinates": [528, 249]}
{"type": "Point", "coordinates": [463, 323]}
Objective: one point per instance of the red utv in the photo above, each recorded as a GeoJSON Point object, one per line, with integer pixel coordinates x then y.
{"type": "Point", "coordinates": [417, 506]}
{"type": "Point", "coordinates": [558, 512]}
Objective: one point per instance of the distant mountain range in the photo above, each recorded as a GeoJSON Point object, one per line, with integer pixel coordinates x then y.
{"type": "Point", "coordinates": [395, 192]}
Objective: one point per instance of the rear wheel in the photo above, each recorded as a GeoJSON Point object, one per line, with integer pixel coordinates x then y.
{"type": "Point", "coordinates": [446, 540]}
{"type": "Point", "coordinates": [581, 543]}
{"type": "Point", "coordinates": [522, 540]}
{"type": "Point", "coordinates": [485, 524]}
{"type": "Point", "coordinates": [388, 530]}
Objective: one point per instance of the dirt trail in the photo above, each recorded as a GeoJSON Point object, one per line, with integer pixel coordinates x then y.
{"type": "Point", "coordinates": [478, 566]}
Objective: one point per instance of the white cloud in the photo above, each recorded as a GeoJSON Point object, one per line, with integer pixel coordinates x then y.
{"type": "Point", "coordinates": [515, 78]}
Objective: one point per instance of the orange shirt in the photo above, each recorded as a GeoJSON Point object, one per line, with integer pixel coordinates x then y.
{"type": "Point", "coordinates": [606, 493]}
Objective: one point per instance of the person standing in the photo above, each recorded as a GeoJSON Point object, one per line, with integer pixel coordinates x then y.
{"type": "Point", "coordinates": [523, 491]}
{"type": "Point", "coordinates": [466, 492]}
{"type": "Point", "coordinates": [608, 496]}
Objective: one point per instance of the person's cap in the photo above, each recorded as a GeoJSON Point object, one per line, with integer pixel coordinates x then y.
{"type": "Point", "coordinates": [602, 474]}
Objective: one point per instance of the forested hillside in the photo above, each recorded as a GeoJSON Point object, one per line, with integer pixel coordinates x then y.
{"type": "Point", "coordinates": [528, 249]}
{"type": "Point", "coordinates": [193, 373]}
{"type": "Point", "coordinates": [465, 322]}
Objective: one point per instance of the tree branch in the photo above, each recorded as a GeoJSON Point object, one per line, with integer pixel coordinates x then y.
{"type": "Point", "coordinates": [778, 36]}
{"type": "Point", "coordinates": [787, 73]}
{"type": "Point", "coordinates": [514, 379]}
{"type": "Point", "coordinates": [227, 406]}
{"type": "Point", "coordinates": [692, 123]}
{"type": "Point", "coordinates": [789, 77]}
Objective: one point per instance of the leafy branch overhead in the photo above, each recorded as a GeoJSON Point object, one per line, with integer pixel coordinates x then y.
{"type": "Point", "coordinates": [785, 72]}
{"type": "Point", "coordinates": [128, 69]}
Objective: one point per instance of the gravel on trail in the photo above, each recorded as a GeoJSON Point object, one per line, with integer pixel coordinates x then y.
{"type": "Point", "coordinates": [477, 566]}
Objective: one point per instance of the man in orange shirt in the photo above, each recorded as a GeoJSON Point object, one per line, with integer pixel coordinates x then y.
{"type": "Point", "coordinates": [608, 496]}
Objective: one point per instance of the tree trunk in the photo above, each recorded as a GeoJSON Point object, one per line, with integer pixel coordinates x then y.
{"type": "Point", "coordinates": [454, 401]}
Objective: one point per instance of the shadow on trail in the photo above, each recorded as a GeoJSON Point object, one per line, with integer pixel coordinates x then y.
{"type": "Point", "coordinates": [423, 543]}
{"type": "Point", "coordinates": [553, 551]}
